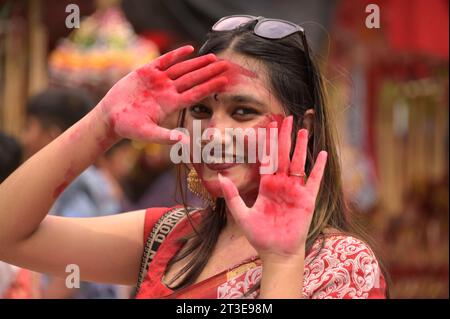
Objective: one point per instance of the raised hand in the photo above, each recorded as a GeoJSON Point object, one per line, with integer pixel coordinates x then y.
{"type": "Point", "coordinates": [137, 104]}
{"type": "Point", "coordinates": [278, 223]}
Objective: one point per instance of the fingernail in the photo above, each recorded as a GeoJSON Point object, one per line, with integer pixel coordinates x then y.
{"type": "Point", "coordinates": [184, 139]}
{"type": "Point", "coordinates": [303, 131]}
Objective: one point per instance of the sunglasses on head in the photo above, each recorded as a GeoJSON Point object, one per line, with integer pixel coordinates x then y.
{"type": "Point", "coordinates": [267, 28]}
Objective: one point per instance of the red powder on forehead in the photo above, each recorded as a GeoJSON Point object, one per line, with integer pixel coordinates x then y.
{"type": "Point", "coordinates": [235, 72]}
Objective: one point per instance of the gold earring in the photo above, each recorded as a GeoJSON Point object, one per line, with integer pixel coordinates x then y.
{"type": "Point", "coordinates": [195, 186]}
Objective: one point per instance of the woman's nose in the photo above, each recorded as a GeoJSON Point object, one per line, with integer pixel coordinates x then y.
{"type": "Point", "coordinates": [221, 120]}
{"type": "Point", "coordinates": [221, 125]}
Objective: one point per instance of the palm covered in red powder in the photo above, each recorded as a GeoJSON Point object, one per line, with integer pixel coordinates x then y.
{"type": "Point", "coordinates": [136, 105]}
{"type": "Point", "coordinates": [279, 221]}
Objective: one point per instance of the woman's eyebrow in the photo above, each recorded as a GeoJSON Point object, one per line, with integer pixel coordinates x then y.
{"type": "Point", "coordinates": [243, 99]}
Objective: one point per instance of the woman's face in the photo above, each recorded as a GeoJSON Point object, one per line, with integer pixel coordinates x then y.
{"type": "Point", "coordinates": [247, 102]}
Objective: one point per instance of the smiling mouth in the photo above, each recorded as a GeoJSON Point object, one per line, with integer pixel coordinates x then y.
{"type": "Point", "coordinates": [224, 158]}
{"type": "Point", "coordinates": [218, 163]}
{"type": "Point", "coordinates": [220, 166]}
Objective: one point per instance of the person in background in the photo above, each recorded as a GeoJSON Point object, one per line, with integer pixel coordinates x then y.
{"type": "Point", "coordinates": [50, 113]}
{"type": "Point", "coordinates": [117, 164]}
{"type": "Point", "coordinates": [10, 155]}
{"type": "Point", "coordinates": [154, 171]}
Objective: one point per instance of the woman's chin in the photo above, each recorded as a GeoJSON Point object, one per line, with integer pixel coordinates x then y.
{"type": "Point", "coordinates": [239, 174]}
{"type": "Point", "coordinates": [213, 187]}
{"type": "Point", "coordinates": [212, 184]}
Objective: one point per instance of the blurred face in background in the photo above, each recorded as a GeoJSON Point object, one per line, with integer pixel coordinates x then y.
{"type": "Point", "coordinates": [120, 160]}
{"type": "Point", "coordinates": [35, 136]}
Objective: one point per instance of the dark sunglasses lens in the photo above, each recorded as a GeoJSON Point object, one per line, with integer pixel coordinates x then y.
{"type": "Point", "coordinates": [231, 23]}
{"type": "Point", "coordinates": [275, 29]}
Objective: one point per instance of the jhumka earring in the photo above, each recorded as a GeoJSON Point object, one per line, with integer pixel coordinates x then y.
{"type": "Point", "coordinates": [195, 186]}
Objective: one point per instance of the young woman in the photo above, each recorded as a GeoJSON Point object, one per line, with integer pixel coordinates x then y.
{"type": "Point", "coordinates": [280, 235]}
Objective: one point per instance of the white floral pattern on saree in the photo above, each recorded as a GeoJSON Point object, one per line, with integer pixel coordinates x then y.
{"type": "Point", "coordinates": [345, 267]}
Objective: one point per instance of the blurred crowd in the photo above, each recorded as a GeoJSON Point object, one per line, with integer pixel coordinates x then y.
{"type": "Point", "coordinates": [389, 92]}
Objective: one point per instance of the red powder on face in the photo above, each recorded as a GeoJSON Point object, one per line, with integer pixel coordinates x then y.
{"type": "Point", "coordinates": [252, 174]}
{"type": "Point", "coordinates": [275, 118]}
{"type": "Point", "coordinates": [213, 187]}
{"type": "Point", "coordinates": [235, 74]}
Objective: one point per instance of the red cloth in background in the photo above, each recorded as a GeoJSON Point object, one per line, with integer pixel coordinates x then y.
{"type": "Point", "coordinates": [417, 26]}
{"type": "Point", "coordinates": [409, 26]}
{"type": "Point", "coordinates": [163, 39]}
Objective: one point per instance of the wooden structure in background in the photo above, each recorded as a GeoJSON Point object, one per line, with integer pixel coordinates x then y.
{"type": "Point", "coordinates": [24, 62]}
{"type": "Point", "coordinates": [37, 77]}
{"type": "Point", "coordinates": [411, 137]}
{"type": "Point", "coordinates": [28, 31]}
{"type": "Point", "coordinates": [15, 66]}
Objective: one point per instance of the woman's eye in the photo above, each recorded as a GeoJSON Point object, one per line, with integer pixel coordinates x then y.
{"type": "Point", "coordinates": [199, 111]}
{"type": "Point", "coordinates": [244, 112]}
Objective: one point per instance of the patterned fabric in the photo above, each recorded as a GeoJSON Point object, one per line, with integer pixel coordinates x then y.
{"type": "Point", "coordinates": [344, 267]}
{"type": "Point", "coordinates": [337, 266]}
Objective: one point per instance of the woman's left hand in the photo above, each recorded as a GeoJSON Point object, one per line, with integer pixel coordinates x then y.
{"type": "Point", "coordinates": [277, 225]}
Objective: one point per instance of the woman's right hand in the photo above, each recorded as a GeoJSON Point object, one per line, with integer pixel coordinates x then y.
{"type": "Point", "coordinates": [136, 105]}
{"type": "Point", "coordinates": [134, 108]}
